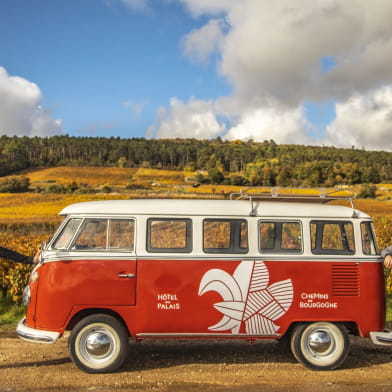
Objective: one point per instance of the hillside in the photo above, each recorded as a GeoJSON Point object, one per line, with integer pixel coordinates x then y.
{"type": "Point", "coordinates": [214, 161]}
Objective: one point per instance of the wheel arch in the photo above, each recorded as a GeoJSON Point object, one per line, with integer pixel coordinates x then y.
{"type": "Point", "coordinates": [81, 314]}
{"type": "Point", "coordinates": [351, 326]}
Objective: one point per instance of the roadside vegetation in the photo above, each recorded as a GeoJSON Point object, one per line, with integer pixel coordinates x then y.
{"type": "Point", "coordinates": [10, 313]}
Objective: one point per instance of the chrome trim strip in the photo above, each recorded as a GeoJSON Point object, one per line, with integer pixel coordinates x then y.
{"type": "Point", "coordinates": [50, 259]}
{"type": "Point", "coordinates": [280, 258]}
{"type": "Point", "coordinates": [203, 336]}
{"type": "Point", "coordinates": [35, 335]}
{"type": "Point", "coordinates": [201, 258]}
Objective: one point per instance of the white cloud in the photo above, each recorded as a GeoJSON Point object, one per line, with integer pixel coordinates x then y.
{"type": "Point", "coordinates": [194, 119]}
{"type": "Point", "coordinates": [274, 51]}
{"type": "Point", "coordinates": [200, 43]}
{"type": "Point", "coordinates": [275, 48]}
{"type": "Point", "coordinates": [136, 108]}
{"type": "Point", "coordinates": [137, 5]}
{"type": "Point", "coordinates": [292, 38]}
{"type": "Point", "coordinates": [266, 123]}
{"type": "Point", "coordinates": [21, 113]}
{"type": "Point", "coordinates": [205, 119]}
{"type": "Point", "coordinates": [200, 7]}
{"type": "Point", "coordinates": [363, 121]}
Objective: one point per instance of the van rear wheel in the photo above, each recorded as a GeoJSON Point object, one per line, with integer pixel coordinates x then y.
{"type": "Point", "coordinates": [320, 345]}
{"type": "Point", "coordinates": [99, 344]}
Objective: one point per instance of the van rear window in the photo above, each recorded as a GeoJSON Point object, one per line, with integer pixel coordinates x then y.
{"type": "Point", "coordinates": [369, 245]}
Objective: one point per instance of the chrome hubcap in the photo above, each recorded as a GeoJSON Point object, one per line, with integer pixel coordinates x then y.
{"type": "Point", "coordinates": [320, 342]}
{"type": "Point", "coordinates": [97, 343]}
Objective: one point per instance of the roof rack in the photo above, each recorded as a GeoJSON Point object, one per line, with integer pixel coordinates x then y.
{"type": "Point", "coordinates": [309, 195]}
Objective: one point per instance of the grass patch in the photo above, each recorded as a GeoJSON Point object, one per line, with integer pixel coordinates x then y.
{"type": "Point", "coordinates": [388, 316]}
{"type": "Point", "coordinates": [10, 313]}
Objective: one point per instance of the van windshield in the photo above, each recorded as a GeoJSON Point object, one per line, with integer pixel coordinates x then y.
{"type": "Point", "coordinates": [67, 234]}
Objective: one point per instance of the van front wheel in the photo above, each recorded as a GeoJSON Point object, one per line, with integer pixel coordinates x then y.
{"type": "Point", "coordinates": [320, 345]}
{"type": "Point", "coordinates": [99, 344]}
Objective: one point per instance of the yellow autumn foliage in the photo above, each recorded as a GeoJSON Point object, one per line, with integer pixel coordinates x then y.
{"type": "Point", "coordinates": [14, 276]}
{"type": "Point", "coordinates": [30, 208]}
{"type": "Point", "coordinates": [37, 207]}
{"type": "Point", "coordinates": [173, 177]}
{"type": "Point", "coordinates": [90, 175]}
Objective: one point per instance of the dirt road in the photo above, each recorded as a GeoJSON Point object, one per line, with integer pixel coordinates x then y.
{"type": "Point", "coordinates": [179, 366]}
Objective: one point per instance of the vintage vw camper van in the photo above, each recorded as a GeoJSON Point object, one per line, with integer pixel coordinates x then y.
{"type": "Point", "coordinates": [255, 267]}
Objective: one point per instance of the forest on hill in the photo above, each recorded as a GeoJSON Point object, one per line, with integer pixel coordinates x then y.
{"type": "Point", "coordinates": [220, 162]}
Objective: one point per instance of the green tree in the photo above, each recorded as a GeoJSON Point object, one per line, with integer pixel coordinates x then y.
{"type": "Point", "coordinates": [215, 176]}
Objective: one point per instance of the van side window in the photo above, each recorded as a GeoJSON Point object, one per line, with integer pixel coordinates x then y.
{"type": "Point", "coordinates": [369, 246]}
{"type": "Point", "coordinates": [92, 235]}
{"type": "Point", "coordinates": [122, 234]}
{"type": "Point", "coordinates": [169, 235]}
{"type": "Point", "coordinates": [332, 237]}
{"type": "Point", "coordinates": [98, 234]}
{"type": "Point", "coordinates": [225, 236]}
{"type": "Point", "coordinates": [280, 237]}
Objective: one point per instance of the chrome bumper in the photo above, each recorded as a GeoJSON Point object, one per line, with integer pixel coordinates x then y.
{"type": "Point", "coordinates": [35, 335]}
{"type": "Point", "coordinates": [382, 337]}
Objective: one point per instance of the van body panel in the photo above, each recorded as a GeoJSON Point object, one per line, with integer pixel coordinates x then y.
{"type": "Point", "coordinates": [86, 282]}
{"type": "Point", "coordinates": [177, 300]}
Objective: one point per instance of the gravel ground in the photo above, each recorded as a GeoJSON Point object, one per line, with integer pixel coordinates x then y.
{"type": "Point", "coordinates": [187, 366]}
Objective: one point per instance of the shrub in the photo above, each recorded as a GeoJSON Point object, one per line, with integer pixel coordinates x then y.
{"type": "Point", "coordinates": [15, 184]}
{"type": "Point", "coordinates": [367, 191]}
{"type": "Point", "coordinates": [106, 189]}
{"type": "Point", "coordinates": [56, 189]}
{"type": "Point", "coordinates": [14, 276]}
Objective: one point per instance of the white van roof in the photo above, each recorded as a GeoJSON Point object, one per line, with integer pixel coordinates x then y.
{"type": "Point", "coordinates": [240, 208]}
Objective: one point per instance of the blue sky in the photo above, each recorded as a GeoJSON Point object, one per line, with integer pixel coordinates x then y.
{"type": "Point", "coordinates": [89, 57]}
{"type": "Point", "coordinates": [309, 73]}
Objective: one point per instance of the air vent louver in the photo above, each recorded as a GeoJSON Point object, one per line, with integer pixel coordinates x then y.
{"type": "Point", "coordinates": [345, 280]}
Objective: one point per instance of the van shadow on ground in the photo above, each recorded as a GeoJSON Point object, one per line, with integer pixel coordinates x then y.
{"type": "Point", "coordinates": [160, 354]}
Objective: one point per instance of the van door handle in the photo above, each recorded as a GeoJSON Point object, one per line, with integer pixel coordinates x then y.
{"type": "Point", "coordinates": [129, 276]}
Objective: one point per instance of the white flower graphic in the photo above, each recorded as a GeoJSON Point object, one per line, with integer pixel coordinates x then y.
{"type": "Point", "coordinates": [248, 298]}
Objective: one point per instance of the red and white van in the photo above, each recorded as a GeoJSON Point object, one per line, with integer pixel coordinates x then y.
{"type": "Point", "coordinates": [207, 269]}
